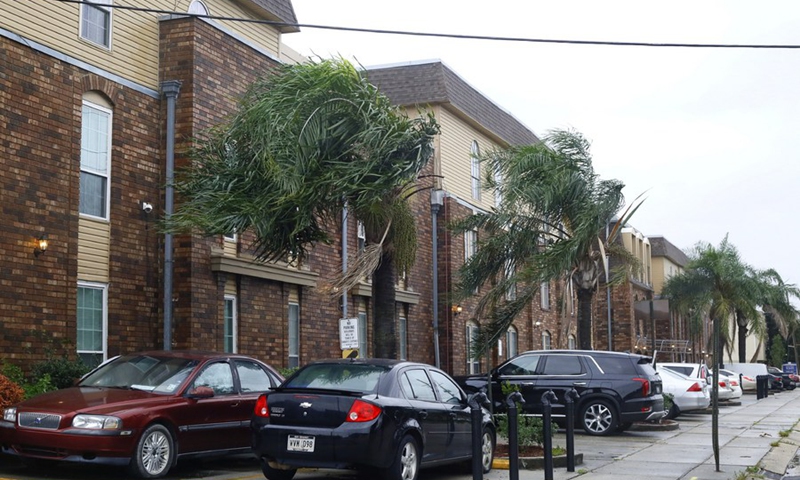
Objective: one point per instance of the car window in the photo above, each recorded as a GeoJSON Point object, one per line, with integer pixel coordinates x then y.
{"type": "Point", "coordinates": [684, 370]}
{"type": "Point", "coordinates": [521, 365]}
{"type": "Point", "coordinates": [562, 365]}
{"type": "Point", "coordinates": [218, 377]}
{"type": "Point", "coordinates": [448, 390]}
{"type": "Point", "coordinates": [142, 372]}
{"type": "Point", "coordinates": [614, 365]}
{"type": "Point", "coordinates": [417, 386]}
{"type": "Point", "coordinates": [252, 377]}
{"type": "Point", "coordinates": [337, 376]}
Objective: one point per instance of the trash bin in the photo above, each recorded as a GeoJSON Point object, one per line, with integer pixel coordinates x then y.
{"type": "Point", "coordinates": [762, 386]}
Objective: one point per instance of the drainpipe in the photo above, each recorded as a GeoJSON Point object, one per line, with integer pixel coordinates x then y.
{"type": "Point", "coordinates": [437, 200]}
{"type": "Point", "coordinates": [170, 90]}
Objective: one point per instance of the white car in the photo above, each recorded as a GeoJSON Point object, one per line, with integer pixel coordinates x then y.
{"type": "Point", "coordinates": [687, 393]}
{"type": "Point", "coordinates": [733, 380]}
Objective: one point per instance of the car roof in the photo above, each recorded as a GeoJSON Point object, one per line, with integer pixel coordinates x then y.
{"type": "Point", "coordinates": [586, 352]}
{"type": "Point", "coordinates": [382, 362]}
{"type": "Point", "coordinates": [189, 354]}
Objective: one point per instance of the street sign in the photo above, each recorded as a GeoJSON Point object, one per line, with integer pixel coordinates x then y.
{"type": "Point", "coordinates": [348, 333]}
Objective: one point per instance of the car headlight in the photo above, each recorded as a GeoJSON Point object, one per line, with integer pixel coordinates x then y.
{"type": "Point", "coordinates": [97, 422]}
{"type": "Point", "coordinates": [10, 414]}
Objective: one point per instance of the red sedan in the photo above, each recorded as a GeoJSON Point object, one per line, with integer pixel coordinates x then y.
{"type": "Point", "coordinates": [144, 410]}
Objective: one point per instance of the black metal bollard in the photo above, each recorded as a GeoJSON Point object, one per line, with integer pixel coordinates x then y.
{"type": "Point", "coordinates": [547, 433]}
{"type": "Point", "coordinates": [572, 396]}
{"type": "Point", "coordinates": [762, 386]}
{"type": "Point", "coordinates": [475, 402]}
{"type": "Point", "coordinates": [513, 442]}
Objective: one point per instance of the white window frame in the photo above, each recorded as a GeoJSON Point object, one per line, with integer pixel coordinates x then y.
{"type": "Point", "coordinates": [293, 334]}
{"type": "Point", "coordinates": [544, 294]}
{"type": "Point", "coordinates": [230, 237]}
{"type": "Point", "coordinates": [512, 341]}
{"type": "Point", "coordinates": [475, 169]}
{"type": "Point", "coordinates": [547, 340]}
{"type": "Point", "coordinates": [230, 325]}
{"type": "Point", "coordinates": [198, 8]}
{"type": "Point", "coordinates": [498, 195]}
{"type": "Point", "coordinates": [470, 244]}
{"type": "Point", "coordinates": [402, 336]}
{"type": "Point", "coordinates": [361, 235]}
{"type": "Point", "coordinates": [508, 271]}
{"type": "Point", "coordinates": [104, 342]}
{"type": "Point", "coordinates": [107, 173]}
{"type": "Point", "coordinates": [572, 342]}
{"type": "Point", "coordinates": [473, 364]}
{"type": "Point", "coordinates": [102, 5]}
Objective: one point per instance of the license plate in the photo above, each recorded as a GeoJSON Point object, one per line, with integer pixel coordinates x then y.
{"type": "Point", "coordinates": [299, 443]}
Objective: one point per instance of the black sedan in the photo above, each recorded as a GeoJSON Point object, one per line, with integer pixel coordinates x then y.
{"type": "Point", "coordinates": [386, 418]}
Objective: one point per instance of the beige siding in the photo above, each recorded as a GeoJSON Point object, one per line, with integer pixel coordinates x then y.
{"type": "Point", "coordinates": [230, 284]}
{"type": "Point", "coordinates": [134, 42]}
{"type": "Point", "coordinates": [94, 238]}
{"type": "Point", "coordinates": [294, 294]}
{"type": "Point", "coordinates": [455, 157]}
{"type": "Point", "coordinates": [229, 246]}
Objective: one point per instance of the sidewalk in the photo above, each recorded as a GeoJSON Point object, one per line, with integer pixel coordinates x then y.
{"type": "Point", "coordinates": [755, 438]}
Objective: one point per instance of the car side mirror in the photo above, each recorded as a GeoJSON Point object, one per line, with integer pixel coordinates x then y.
{"type": "Point", "coordinates": [201, 392]}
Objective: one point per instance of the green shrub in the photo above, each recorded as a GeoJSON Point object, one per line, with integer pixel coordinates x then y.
{"type": "Point", "coordinates": [62, 371]}
{"type": "Point", "coordinates": [39, 386]}
{"type": "Point", "coordinates": [288, 371]}
{"type": "Point", "coordinates": [530, 430]}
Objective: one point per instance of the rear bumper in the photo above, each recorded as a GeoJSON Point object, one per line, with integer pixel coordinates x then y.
{"type": "Point", "coordinates": [648, 409]}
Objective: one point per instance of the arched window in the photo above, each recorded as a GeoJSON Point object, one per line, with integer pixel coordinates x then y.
{"type": "Point", "coordinates": [511, 341]}
{"type": "Point", "coordinates": [198, 8]}
{"type": "Point", "coordinates": [96, 120]}
{"type": "Point", "coordinates": [546, 341]}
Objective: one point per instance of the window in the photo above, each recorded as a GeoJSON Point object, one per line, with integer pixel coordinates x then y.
{"type": "Point", "coordinates": [546, 344]}
{"type": "Point", "coordinates": [473, 364]}
{"type": "Point", "coordinates": [522, 365]}
{"type": "Point", "coordinates": [362, 335]}
{"type": "Point", "coordinates": [294, 335]}
{"type": "Point", "coordinates": [96, 22]}
{"type": "Point", "coordinates": [475, 158]}
{"type": "Point", "coordinates": [498, 194]}
{"type": "Point", "coordinates": [95, 160]}
{"type": "Point", "coordinates": [470, 244]}
{"type": "Point", "coordinates": [544, 292]}
{"type": "Point", "coordinates": [252, 377]}
{"type": "Point", "coordinates": [562, 365]}
{"type": "Point", "coordinates": [361, 234]}
{"type": "Point", "coordinates": [231, 327]}
{"type": "Point", "coordinates": [229, 237]}
{"type": "Point", "coordinates": [509, 271]}
{"type": "Point", "coordinates": [417, 385]}
{"type": "Point", "coordinates": [402, 332]}
{"type": "Point", "coordinates": [448, 391]}
{"type": "Point", "coordinates": [571, 343]}
{"type": "Point", "coordinates": [92, 322]}
{"type": "Point", "coordinates": [511, 341]}
{"type": "Point", "coordinates": [218, 377]}
{"type": "Point", "coordinates": [198, 8]}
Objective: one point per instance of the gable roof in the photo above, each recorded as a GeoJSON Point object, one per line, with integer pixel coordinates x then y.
{"type": "Point", "coordinates": [279, 10]}
{"type": "Point", "coordinates": [661, 247]}
{"type": "Point", "coordinates": [432, 82]}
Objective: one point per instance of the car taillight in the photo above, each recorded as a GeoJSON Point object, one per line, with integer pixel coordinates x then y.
{"type": "Point", "coordinates": [645, 385]}
{"type": "Point", "coordinates": [262, 409]}
{"type": "Point", "coordinates": [695, 388]}
{"type": "Point", "coordinates": [362, 411]}
{"type": "Point", "coordinates": [734, 383]}
{"type": "Point", "coordinates": [722, 384]}
{"type": "Point", "coordinates": [745, 377]}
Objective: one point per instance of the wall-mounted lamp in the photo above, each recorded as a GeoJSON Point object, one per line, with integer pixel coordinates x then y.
{"type": "Point", "coordinates": [456, 309]}
{"type": "Point", "coordinates": [537, 324]}
{"type": "Point", "coordinates": [41, 245]}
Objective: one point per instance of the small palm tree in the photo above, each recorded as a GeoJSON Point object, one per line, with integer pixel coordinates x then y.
{"type": "Point", "coordinates": [553, 209]}
{"type": "Point", "coordinates": [306, 141]}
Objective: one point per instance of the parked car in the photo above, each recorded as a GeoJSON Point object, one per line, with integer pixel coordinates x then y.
{"type": "Point", "coordinates": [693, 370]}
{"type": "Point", "coordinates": [733, 384]}
{"type": "Point", "coordinates": [615, 389]}
{"type": "Point", "coordinates": [785, 378]}
{"type": "Point", "coordinates": [144, 410]}
{"type": "Point", "coordinates": [688, 394]}
{"type": "Point", "coordinates": [384, 418]}
{"type": "Point", "coordinates": [748, 373]}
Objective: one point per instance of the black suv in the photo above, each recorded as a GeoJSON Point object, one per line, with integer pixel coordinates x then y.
{"type": "Point", "coordinates": [616, 389]}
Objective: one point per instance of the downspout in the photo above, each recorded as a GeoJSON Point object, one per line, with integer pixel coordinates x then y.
{"type": "Point", "coordinates": [170, 90]}
{"type": "Point", "coordinates": [437, 200]}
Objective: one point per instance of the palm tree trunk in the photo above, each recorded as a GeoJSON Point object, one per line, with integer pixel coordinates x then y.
{"type": "Point", "coordinates": [384, 340]}
{"type": "Point", "coordinates": [585, 318]}
{"type": "Point", "coordinates": [742, 323]}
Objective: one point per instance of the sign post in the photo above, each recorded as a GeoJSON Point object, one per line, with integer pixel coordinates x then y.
{"type": "Point", "coordinates": [348, 337]}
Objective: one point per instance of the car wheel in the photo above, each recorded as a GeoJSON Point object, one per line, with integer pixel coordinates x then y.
{"type": "Point", "coordinates": [154, 453]}
{"type": "Point", "coordinates": [276, 473]}
{"type": "Point", "coordinates": [598, 417]}
{"type": "Point", "coordinates": [673, 412]}
{"type": "Point", "coordinates": [487, 450]}
{"type": "Point", "coordinates": [406, 462]}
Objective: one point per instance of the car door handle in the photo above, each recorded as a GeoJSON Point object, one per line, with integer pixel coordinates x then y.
{"type": "Point", "coordinates": [423, 414]}
{"type": "Point", "coordinates": [528, 384]}
{"type": "Point", "coordinates": [579, 384]}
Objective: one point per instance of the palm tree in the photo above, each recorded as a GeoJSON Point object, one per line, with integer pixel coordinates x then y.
{"type": "Point", "coordinates": [553, 209]}
{"type": "Point", "coordinates": [775, 298]}
{"type": "Point", "coordinates": [306, 141]}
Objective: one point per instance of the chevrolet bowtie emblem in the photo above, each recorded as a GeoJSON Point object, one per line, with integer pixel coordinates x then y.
{"type": "Point", "coordinates": [305, 405]}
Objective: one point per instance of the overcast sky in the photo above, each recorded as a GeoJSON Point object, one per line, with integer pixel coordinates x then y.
{"type": "Point", "coordinates": [711, 135]}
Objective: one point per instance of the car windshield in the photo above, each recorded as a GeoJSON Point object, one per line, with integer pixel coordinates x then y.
{"type": "Point", "coordinates": [337, 376]}
{"type": "Point", "coordinates": [162, 375]}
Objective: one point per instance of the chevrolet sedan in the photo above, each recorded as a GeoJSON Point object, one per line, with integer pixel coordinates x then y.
{"type": "Point", "coordinates": [144, 411]}
{"type": "Point", "coordinates": [383, 418]}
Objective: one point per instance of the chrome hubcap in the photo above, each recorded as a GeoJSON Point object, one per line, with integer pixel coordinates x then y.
{"type": "Point", "coordinates": [408, 461]}
{"type": "Point", "coordinates": [487, 450]}
{"type": "Point", "coordinates": [598, 418]}
{"type": "Point", "coordinates": [155, 453]}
